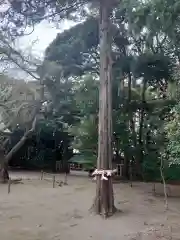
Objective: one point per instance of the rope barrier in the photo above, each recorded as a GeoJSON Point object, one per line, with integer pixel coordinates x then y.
{"type": "Point", "coordinates": [60, 183]}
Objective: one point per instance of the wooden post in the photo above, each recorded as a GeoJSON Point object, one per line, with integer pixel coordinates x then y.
{"type": "Point", "coordinates": [65, 179]}
{"type": "Point", "coordinates": [131, 174]}
{"type": "Point", "coordinates": [121, 170]}
{"type": "Point", "coordinates": [9, 185]}
{"type": "Point", "coordinates": [154, 188]}
{"type": "Point", "coordinates": [54, 178]}
{"type": "Point", "coordinates": [42, 174]}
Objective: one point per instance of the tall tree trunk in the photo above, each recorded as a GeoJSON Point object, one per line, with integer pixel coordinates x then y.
{"type": "Point", "coordinates": [131, 161]}
{"type": "Point", "coordinates": [140, 154]}
{"type": "Point", "coordinates": [104, 200]}
{"type": "Point", "coordinates": [131, 117]}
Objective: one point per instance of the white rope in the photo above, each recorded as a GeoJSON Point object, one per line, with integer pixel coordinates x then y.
{"type": "Point", "coordinates": [104, 174]}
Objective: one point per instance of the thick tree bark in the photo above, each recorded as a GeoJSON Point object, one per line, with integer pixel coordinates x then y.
{"type": "Point", "coordinates": [104, 200]}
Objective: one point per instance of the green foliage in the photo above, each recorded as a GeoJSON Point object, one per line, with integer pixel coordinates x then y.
{"type": "Point", "coordinates": [172, 130]}
{"type": "Point", "coordinates": [87, 95]}
{"type": "Point", "coordinates": [150, 168]}
{"type": "Point", "coordinates": [88, 160]}
{"type": "Point", "coordinates": [145, 52]}
{"type": "Point", "coordinates": [153, 67]}
{"type": "Point", "coordinates": [172, 172]}
{"type": "Point", "coordinates": [139, 110]}
{"type": "Point", "coordinates": [75, 49]}
{"type": "Point", "coordinates": [86, 135]}
{"type": "Point", "coordinates": [50, 143]}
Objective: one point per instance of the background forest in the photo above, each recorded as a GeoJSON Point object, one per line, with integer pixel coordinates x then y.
{"type": "Point", "coordinates": [146, 89]}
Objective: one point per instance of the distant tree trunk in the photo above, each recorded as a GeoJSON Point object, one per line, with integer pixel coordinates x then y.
{"type": "Point", "coordinates": [131, 127]}
{"type": "Point", "coordinates": [4, 175]}
{"type": "Point", "coordinates": [140, 154]}
{"type": "Point", "coordinates": [131, 117]}
{"type": "Point", "coordinates": [104, 200]}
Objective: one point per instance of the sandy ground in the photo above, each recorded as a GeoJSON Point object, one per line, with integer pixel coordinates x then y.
{"type": "Point", "coordinates": [34, 210]}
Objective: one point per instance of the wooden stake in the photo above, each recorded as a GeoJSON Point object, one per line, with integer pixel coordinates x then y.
{"type": "Point", "coordinates": [9, 185]}
{"type": "Point", "coordinates": [54, 181]}
{"type": "Point", "coordinates": [131, 175]}
{"type": "Point", "coordinates": [154, 188]}
{"type": "Point", "coordinates": [65, 179]}
{"type": "Point", "coordinates": [42, 174]}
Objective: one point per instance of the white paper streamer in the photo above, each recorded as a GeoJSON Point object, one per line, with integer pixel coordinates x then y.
{"type": "Point", "coordinates": [104, 173]}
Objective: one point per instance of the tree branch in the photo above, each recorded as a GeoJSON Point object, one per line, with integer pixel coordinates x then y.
{"type": "Point", "coordinates": [9, 51]}
{"type": "Point", "coordinates": [26, 136]}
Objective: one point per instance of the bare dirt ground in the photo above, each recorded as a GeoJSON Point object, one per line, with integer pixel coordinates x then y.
{"type": "Point", "coordinates": [35, 211]}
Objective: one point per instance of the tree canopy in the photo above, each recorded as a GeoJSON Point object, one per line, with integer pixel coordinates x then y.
{"type": "Point", "coordinates": [145, 80]}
